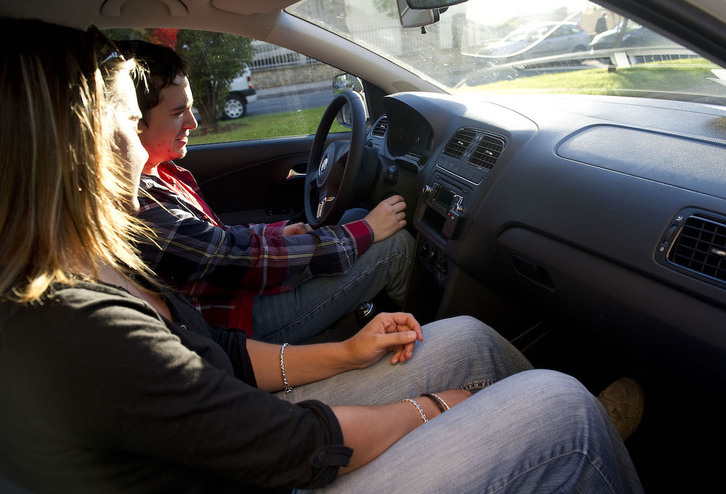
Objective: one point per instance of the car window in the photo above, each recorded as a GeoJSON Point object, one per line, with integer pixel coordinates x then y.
{"type": "Point", "coordinates": [246, 89]}
{"type": "Point", "coordinates": [565, 30]}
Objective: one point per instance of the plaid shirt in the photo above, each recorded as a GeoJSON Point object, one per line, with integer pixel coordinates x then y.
{"type": "Point", "coordinates": [222, 268]}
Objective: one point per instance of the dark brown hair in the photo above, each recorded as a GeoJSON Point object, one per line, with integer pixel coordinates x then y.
{"type": "Point", "coordinates": [162, 65]}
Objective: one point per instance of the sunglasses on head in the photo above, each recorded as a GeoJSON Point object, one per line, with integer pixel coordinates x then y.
{"type": "Point", "coordinates": [105, 49]}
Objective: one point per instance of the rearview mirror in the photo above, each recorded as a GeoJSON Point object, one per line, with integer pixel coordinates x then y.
{"type": "Point", "coordinates": [416, 18]}
{"type": "Point", "coordinates": [432, 4]}
{"type": "Point", "coordinates": [420, 13]}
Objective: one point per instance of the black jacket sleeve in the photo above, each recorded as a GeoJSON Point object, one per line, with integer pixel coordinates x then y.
{"type": "Point", "coordinates": [98, 371]}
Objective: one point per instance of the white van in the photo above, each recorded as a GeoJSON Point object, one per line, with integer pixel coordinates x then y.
{"type": "Point", "coordinates": [241, 93]}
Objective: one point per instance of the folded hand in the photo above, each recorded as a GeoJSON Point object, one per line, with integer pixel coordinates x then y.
{"type": "Point", "coordinates": [386, 332]}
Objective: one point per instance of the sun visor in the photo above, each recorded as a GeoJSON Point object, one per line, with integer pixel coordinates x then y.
{"type": "Point", "coordinates": [247, 8]}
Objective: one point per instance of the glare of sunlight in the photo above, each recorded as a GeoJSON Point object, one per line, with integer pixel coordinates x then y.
{"type": "Point", "coordinates": [488, 12]}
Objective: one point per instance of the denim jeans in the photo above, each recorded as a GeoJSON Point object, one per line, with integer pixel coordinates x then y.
{"type": "Point", "coordinates": [525, 431]}
{"type": "Point", "coordinates": [316, 305]}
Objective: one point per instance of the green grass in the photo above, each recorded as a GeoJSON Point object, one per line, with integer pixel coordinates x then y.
{"type": "Point", "coordinates": [644, 78]}
{"type": "Point", "coordinates": [300, 122]}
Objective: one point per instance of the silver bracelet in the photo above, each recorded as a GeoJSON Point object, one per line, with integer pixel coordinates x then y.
{"type": "Point", "coordinates": [287, 387]}
{"type": "Point", "coordinates": [418, 407]}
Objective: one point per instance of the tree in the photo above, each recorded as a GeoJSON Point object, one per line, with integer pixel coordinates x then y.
{"type": "Point", "coordinates": [214, 60]}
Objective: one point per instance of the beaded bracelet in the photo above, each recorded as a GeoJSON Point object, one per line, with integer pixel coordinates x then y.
{"type": "Point", "coordinates": [287, 387]}
{"type": "Point", "coordinates": [443, 406]}
{"type": "Point", "coordinates": [418, 407]}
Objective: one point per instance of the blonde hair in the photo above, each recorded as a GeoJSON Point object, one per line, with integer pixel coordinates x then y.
{"type": "Point", "coordinates": [63, 193]}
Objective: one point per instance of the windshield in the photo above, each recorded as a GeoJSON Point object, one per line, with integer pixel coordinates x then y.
{"type": "Point", "coordinates": [561, 46]}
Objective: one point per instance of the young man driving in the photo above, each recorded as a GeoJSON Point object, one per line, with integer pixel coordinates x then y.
{"type": "Point", "coordinates": [279, 282]}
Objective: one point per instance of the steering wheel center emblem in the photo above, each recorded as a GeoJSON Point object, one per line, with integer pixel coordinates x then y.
{"type": "Point", "coordinates": [323, 165]}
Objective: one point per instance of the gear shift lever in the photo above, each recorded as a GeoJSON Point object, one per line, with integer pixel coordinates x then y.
{"type": "Point", "coordinates": [364, 313]}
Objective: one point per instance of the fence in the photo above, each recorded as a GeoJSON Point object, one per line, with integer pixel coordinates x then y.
{"type": "Point", "coordinates": [268, 56]}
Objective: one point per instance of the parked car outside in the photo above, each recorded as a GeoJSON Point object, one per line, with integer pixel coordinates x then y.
{"type": "Point", "coordinates": [628, 34]}
{"type": "Point", "coordinates": [535, 40]}
{"type": "Point", "coordinates": [241, 93]}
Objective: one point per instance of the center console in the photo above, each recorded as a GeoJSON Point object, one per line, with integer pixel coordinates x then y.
{"type": "Point", "coordinates": [444, 205]}
{"type": "Point", "coordinates": [439, 215]}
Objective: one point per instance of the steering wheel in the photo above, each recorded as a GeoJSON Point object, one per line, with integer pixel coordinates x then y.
{"type": "Point", "coordinates": [331, 172]}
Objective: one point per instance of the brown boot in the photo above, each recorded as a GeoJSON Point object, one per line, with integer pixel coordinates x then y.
{"type": "Point", "coordinates": [623, 400]}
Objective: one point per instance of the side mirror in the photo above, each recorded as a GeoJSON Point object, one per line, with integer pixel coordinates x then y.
{"type": "Point", "coordinates": [347, 82]}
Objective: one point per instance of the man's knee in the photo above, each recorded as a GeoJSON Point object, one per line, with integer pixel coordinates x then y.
{"type": "Point", "coordinates": [405, 240]}
{"type": "Point", "coordinates": [400, 243]}
{"type": "Point", "coordinates": [397, 247]}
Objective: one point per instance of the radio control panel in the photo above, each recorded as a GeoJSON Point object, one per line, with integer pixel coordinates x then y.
{"type": "Point", "coordinates": [447, 202]}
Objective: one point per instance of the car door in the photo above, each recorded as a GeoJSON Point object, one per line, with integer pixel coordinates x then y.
{"type": "Point", "coordinates": [255, 181]}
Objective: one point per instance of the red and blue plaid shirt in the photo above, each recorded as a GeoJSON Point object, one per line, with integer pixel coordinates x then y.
{"type": "Point", "coordinates": [221, 268]}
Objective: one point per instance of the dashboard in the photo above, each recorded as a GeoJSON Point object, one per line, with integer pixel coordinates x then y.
{"type": "Point", "coordinates": [412, 137]}
{"type": "Point", "coordinates": [609, 211]}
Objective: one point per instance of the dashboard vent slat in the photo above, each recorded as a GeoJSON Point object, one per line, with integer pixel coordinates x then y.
{"type": "Point", "coordinates": [459, 143]}
{"type": "Point", "coordinates": [701, 247]}
{"type": "Point", "coordinates": [381, 127]}
{"type": "Point", "coordinates": [487, 152]}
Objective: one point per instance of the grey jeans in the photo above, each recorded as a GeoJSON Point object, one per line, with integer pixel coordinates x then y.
{"type": "Point", "coordinates": [525, 431]}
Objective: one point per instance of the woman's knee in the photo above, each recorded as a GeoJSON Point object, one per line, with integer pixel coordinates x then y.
{"type": "Point", "coordinates": [458, 332]}
{"type": "Point", "coordinates": [562, 398]}
{"type": "Point", "coordinates": [469, 338]}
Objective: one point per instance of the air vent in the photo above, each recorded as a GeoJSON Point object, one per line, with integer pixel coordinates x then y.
{"type": "Point", "coordinates": [487, 152]}
{"type": "Point", "coordinates": [459, 143]}
{"type": "Point", "coordinates": [701, 247]}
{"type": "Point", "coordinates": [381, 127]}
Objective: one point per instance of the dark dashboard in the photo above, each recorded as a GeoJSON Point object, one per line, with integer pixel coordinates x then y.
{"type": "Point", "coordinates": [412, 137]}
{"type": "Point", "coordinates": [607, 211]}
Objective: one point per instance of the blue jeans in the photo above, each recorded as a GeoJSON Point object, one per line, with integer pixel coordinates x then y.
{"type": "Point", "coordinates": [525, 431]}
{"type": "Point", "coordinates": [316, 305]}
